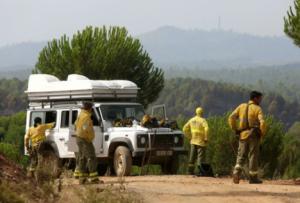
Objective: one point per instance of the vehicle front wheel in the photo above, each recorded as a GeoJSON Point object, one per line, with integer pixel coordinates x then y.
{"type": "Point", "coordinates": [122, 161]}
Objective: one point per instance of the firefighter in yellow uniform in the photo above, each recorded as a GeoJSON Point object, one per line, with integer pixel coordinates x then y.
{"type": "Point", "coordinates": [250, 130]}
{"type": "Point", "coordinates": [33, 139]}
{"type": "Point", "coordinates": [87, 162]}
{"type": "Point", "coordinates": [196, 129]}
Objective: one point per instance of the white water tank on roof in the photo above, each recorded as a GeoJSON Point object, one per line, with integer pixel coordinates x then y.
{"type": "Point", "coordinates": [76, 77]}
{"type": "Point", "coordinates": [48, 87]}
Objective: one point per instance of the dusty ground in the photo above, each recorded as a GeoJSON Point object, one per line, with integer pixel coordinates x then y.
{"type": "Point", "coordinates": [193, 189]}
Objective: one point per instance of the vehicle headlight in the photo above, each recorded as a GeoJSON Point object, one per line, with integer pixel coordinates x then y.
{"type": "Point", "coordinates": [143, 140]}
{"type": "Point", "coordinates": [176, 139]}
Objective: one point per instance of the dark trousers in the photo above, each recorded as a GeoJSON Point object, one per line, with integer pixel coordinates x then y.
{"type": "Point", "coordinates": [197, 153]}
{"type": "Point", "coordinates": [87, 162]}
{"type": "Point", "coordinates": [248, 148]}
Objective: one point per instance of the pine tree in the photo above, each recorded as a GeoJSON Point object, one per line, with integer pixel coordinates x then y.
{"type": "Point", "coordinates": [292, 23]}
{"type": "Point", "coordinates": [101, 53]}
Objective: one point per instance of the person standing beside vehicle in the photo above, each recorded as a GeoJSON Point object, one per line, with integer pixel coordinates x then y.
{"type": "Point", "coordinates": [87, 163]}
{"type": "Point", "coordinates": [33, 139]}
{"type": "Point", "coordinates": [251, 129]}
{"type": "Point", "coordinates": [196, 129]}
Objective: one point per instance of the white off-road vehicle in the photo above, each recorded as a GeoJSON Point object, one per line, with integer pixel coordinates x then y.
{"type": "Point", "coordinates": [120, 139]}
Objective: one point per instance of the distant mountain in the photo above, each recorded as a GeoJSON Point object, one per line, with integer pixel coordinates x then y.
{"type": "Point", "coordinates": [170, 46]}
{"type": "Point", "coordinates": [19, 56]}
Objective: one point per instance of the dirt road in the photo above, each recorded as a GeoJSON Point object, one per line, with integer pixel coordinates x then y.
{"type": "Point", "coordinates": [192, 189]}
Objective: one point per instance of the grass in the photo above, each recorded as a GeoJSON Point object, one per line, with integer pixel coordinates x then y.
{"type": "Point", "coordinates": [108, 194]}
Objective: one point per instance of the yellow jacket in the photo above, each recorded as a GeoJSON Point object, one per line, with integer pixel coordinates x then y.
{"type": "Point", "coordinates": [255, 119]}
{"type": "Point", "coordinates": [37, 134]}
{"type": "Point", "coordinates": [84, 126]}
{"type": "Point", "coordinates": [196, 129]}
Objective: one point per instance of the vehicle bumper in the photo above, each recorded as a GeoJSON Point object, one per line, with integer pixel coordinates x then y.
{"type": "Point", "coordinates": [159, 153]}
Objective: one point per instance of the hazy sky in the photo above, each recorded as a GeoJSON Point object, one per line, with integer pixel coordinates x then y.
{"type": "Point", "coordinates": [37, 20]}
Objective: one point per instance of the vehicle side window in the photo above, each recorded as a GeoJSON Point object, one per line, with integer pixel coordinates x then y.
{"type": "Point", "coordinates": [46, 116]}
{"type": "Point", "coordinates": [64, 123]}
{"type": "Point", "coordinates": [36, 114]}
{"type": "Point", "coordinates": [65, 118]}
{"type": "Point", "coordinates": [74, 116]}
{"type": "Point", "coordinates": [50, 116]}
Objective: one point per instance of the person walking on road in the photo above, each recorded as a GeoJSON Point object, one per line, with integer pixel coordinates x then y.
{"type": "Point", "coordinates": [250, 130]}
{"type": "Point", "coordinates": [196, 129]}
{"type": "Point", "coordinates": [86, 157]}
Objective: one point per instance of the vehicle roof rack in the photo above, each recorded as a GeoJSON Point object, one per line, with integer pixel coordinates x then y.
{"type": "Point", "coordinates": [48, 88]}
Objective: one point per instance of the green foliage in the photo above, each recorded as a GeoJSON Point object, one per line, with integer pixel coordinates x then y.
{"type": "Point", "coordinates": [271, 147]}
{"type": "Point", "coordinates": [183, 95]}
{"type": "Point", "coordinates": [13, 129]}
{"type": "Point", "coordinates": [289, 159]}
{"type": "Point", "coordinates": [222, 148]}
{"type": "Point", "coordinates": [12, 153]}
{"type": "Point", "coordinates": [101, 53]}
{"type": "Point", "coordinates": [292, 23]}
{"type": "Point", "coordinates": [7, 195]}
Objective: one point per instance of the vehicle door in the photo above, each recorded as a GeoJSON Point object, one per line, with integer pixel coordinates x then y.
{"type": "Point", "coordinates": [47, 116]}
{"type": "Point", "coordinates": [72, 145]}
{"type": "Point", "coordinates": [66, 139]}
{"type": "Point", "coordinates": [97, 123]}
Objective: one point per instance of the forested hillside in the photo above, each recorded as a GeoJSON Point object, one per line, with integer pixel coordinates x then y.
{"type": "Point", "coordinates": [12, 96]}
{"type": "Point", "coordinates": [283, 79]}
{"type": "Point", "coordinates": [181, 95]}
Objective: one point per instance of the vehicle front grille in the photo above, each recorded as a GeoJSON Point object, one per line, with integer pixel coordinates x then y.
{"type": "Point", "coordinates": [165, 140]}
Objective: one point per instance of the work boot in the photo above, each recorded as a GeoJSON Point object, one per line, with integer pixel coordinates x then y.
{"type": "Point", "coordinates": [236, 178]}
{"type": "Point", "coordinates": [82, 181]}
{"type": "Point", "coordinates": [96, 181]}
{"type": "Point", "coordinates": [255, 180]}
{"type": "Point", "coordinates": [76, 175]}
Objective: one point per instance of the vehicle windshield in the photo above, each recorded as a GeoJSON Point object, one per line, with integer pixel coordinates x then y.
{"type": "Point", "coordinates": [114, 112]}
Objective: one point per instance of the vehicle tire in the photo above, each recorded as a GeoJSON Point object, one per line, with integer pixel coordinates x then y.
{"type": "Point", "coordinates": [170, 167]}
{"type": "Point", "coordinates": [122, 161]}
{"type": "Point", "coordinates": [102, 169]}
{"type": "Point", "coordinates": [49, 166]}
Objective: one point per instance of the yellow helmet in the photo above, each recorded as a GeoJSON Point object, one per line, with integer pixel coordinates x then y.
{"type": "Point", "coordinates": [199, 111]}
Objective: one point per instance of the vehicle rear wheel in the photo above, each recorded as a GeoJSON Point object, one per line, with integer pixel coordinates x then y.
{"type": "Point", "coordinates": [170, 167]}
{"type": "Point", "coordinates": [122, 161]}
{"type": "Point", "coordinates": [49, 166]}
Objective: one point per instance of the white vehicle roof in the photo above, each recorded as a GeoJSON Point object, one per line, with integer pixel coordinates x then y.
{"type": "Point", "coordinates": [43, 87]}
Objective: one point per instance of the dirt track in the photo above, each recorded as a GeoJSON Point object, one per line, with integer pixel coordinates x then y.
{"type": "Point", "coordinates": [192, 189]}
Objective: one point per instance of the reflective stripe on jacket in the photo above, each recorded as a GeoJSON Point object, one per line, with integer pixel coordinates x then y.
{"type": "Point", "coordinates": [197, 128]}
{"type": "Point", "coordinates": [255, 119]}
{"type": "Point", "coordinates": [37, 134]}
{"type": "Point", "coordinates": [84, 126]}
